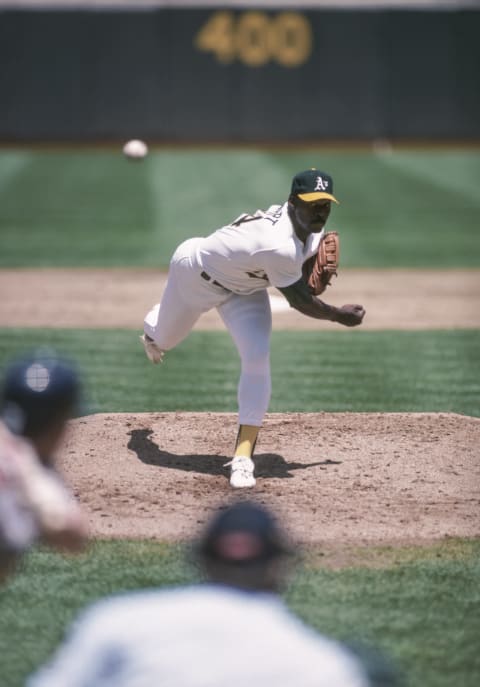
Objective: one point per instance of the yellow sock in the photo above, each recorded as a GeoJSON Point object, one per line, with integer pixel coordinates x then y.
{"type": "Point", "coordinates": [246, 440]}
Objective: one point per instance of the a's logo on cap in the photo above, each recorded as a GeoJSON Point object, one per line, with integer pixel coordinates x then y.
{"type": "Point", "coordinates": [321, 184]}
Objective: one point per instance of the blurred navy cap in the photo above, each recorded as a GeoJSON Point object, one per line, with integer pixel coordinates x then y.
{"type": "Point", "coordinates": [38, 390]}
{"type": "Point", "coordinates": [243, 533]}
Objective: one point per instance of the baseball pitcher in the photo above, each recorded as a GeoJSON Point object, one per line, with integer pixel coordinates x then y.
{"type": "Point", "coordinates": [286, 247]}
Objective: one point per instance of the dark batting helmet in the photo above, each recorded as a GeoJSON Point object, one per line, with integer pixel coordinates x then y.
{"type": "Point", "coordinates": [243, 533]}
{"type": "Point", "coordinates": [243, 546]}
{"type": "Point", "coordinates": [38, 391]}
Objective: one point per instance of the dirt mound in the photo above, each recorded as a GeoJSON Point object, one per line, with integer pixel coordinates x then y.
{"type": "Point", "coordinates": [342, 477]}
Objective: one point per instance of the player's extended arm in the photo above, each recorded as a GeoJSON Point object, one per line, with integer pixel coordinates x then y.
{"type": "Point", "coordinates": [300, 298]}
{"type": "Point", "coordinates": [60, 522]}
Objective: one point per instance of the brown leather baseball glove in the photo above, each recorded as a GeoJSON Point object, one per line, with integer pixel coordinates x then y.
{"type": "Point", "coordinates": [320, 268]}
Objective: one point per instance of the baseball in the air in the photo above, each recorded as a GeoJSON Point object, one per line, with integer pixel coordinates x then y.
{"type": "Point", "coordinates": [135, 149]}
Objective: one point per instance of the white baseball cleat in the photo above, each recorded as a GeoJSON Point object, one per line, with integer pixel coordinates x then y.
{"type": "Point", "coordinates": [241, 476]}
{"type": "Point", "coordinates": [154, 353]}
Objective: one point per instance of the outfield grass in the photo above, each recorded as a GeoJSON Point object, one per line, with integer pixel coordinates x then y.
{"type": "Point", "coordinates": [359, 371]}
{"type": "Point", "coordinates": [420, 608]}
{"type": "Point", "coordinates": [89, 206]}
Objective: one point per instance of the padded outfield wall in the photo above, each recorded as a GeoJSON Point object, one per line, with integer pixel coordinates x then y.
{"type": "Point", "coordinates": [212, 74]}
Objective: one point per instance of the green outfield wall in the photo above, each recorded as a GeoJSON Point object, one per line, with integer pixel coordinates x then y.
{"type": "Point", "coordinates": [250, 74]}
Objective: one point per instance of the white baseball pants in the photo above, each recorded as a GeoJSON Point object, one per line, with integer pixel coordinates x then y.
{"type": "Point", "coordinates": [248, 319]}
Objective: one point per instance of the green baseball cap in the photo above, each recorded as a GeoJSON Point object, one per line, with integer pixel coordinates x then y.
{"type": "Point", "coordinates": [313, 185]}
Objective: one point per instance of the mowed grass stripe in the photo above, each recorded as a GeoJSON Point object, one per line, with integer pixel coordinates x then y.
{"type": "Point", "coordinates": [65, 208]}
{"type": "Point", "coordinates": [419, 606]}
{"type": "Point", "coordinates": [10, 165]}
{"type": "Point", "coordinates": [311, 371]}
{"type": "Point", "coordinates": [428, 168]}
{"type": "Point", "coordinates": [381, 371]}
{"type": "Point", "coordinates": [440, 189]}
{"type": "Point", "coordinates": [92, 207]}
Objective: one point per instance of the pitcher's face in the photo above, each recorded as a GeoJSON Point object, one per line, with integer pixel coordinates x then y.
{"type": "Point", "coordinates": [311, 217]}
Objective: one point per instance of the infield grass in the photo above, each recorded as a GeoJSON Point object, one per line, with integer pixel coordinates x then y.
{"type": "Point", "coordinates": [91, 207]}
{"type": "Point", "coordinates": [420, 607]}
{"type": "Point", "coordinates": [360, 371]}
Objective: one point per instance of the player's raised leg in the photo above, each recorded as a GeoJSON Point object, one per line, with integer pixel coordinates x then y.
{"type": "Point", "coordinates": [249, 321]}
{"type": "Point", "coordinates": [185, 298]}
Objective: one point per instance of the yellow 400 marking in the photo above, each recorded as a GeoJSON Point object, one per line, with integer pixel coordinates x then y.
{"type": "Point", "coordinates": [255, 38]}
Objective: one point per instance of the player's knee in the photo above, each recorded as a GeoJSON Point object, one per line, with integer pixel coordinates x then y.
{"type": "Point", "coordinates": [256, 360]}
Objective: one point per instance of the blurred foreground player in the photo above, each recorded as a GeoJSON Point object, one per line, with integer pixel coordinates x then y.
{"type": "Point", "coordinates": [38, 396]}
{"type": "Point", "coordinates": [233, 630]}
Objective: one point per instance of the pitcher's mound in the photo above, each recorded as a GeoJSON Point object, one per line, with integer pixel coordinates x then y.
{"type": "Point", "coordinates": [330, 477]}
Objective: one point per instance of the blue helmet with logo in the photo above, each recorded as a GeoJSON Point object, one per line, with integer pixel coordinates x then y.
{"type": "Point", "coordinates": [37, 391]}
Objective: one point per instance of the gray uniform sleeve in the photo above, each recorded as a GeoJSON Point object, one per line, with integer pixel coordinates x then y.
{"type": "Point", "coordinates": [92, 654]}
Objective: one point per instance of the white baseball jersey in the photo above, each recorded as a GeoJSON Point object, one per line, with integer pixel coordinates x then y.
{"type": "Point", "coordinates": [256, 251]}
{"type": "Point", "coordinates": [203, 636]}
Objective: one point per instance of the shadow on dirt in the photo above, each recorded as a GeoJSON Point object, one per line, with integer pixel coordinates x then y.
{"type": "Point", "coordinates": [266, 464]}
